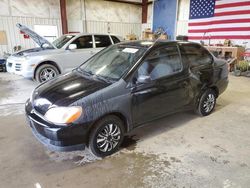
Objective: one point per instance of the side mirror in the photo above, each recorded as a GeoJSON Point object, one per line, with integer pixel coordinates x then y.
{"type": "Point", "coordinates": [144, 79]}
{"type": "Point", "coordinates": [72, 47]}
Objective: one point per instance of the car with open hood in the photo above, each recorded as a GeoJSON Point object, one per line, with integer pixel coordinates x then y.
{"type": "Point", "coordinates": [62, 55]}
{"type": "Point", "coordinates": [121, 88]}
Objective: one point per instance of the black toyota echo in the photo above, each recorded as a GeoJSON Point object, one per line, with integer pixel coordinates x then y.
{"type": "Point", "coordinates": [123, 87]}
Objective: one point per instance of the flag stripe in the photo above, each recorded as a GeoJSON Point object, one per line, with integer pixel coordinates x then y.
{"type": "Point", "coordinates": [229, 9]}
{"type": "Point", "coordinates": [238, 12]}
{"type": "Point", "coordinates": [236, 4]}
{"type": "Point", "coordinates": [222, 33]}
{"type": "Point", "coordinates": [246, 20]}
{"type": "Point", "coordinates": [226, 25]}
{"type": "Point", "coordinates": [219, 37]}
{"type": "Point", "coordinates": [219, 29]}
{"type": "Point", "coordinates": [229, 1]}
{"type": "Point", "coordinates": [243, 16]}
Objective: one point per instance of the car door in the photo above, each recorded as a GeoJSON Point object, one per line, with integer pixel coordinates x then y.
{"type": "Point", "coordinates": [75, 57]}
{"type": "Point", "coordinates": [169, 89]}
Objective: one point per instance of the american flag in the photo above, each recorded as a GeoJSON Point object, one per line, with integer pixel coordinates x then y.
{"type": "Point", "coordinates": [218, 20]}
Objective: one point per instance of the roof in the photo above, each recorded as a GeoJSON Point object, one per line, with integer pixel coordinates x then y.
{"type": "Point", "coordinates": [148, 43]}
{"type": "Point", "coordinates": [83, 34]}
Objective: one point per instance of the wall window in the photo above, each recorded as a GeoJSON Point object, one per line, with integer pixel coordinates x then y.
{"type": "Point", "coordinates": [161, 62]}
{"type": "Point", "coordinates": [102, 41]}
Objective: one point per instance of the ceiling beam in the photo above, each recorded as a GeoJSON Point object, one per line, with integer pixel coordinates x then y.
{"type": "Point", "coordinates": [130, 2]}
{"type": "Point", "coordinates": [124, 1]}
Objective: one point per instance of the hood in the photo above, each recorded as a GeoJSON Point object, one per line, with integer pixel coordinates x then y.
{"type": "Point", "coordinates": [64, 90]}
{"type": "Point", "coordinates": [28, 51]}
{"type": "Point", "coordinates": [37, 38]}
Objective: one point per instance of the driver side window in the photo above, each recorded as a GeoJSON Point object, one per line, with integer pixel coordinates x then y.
{"type": "Point", "coordinates": [161, 62]}
{"type": "Point", "coordinates": [83, 42]}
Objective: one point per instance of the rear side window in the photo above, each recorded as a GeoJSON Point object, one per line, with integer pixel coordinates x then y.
{"type": "Point", "coordinates": [161, 62]}
{"type": "Point", "coordinates": [102, 41]}
{"type": "Point", "coordinates": [83, 42]}
{"type": "Point", "coordinates": [115, 39]}
{"type": "Point", "coordinates": [195, 55]}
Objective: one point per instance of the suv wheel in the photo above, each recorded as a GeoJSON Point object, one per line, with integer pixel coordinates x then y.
{"type": "Point", "coordinates": [106, 136]}
{"type": "Point", "coordinates": [206, 103]}
{"type": "Point", "coordinates": [46, 72]}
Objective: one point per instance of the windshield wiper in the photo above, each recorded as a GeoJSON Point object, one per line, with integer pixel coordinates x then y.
{"type": "Point", "coordinates": [103, 78]}
{"type": "Point", "coordinates": [99, 77]}
{"type": "Point", "coordinates": [88, 73]}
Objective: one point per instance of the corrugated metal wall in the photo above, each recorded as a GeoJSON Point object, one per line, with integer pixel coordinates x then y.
{"type": "Point", "coordinates": [121, 29]}
{"type": "Point", "coordinates": [118, 28]}
{"type": "Point", "coordinates": [8, 24]}
{"type": "Point", "coordinates": [14, 37]}
{"type": "Point", "coordinates": [183, 16]}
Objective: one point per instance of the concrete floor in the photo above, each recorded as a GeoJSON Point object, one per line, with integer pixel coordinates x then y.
{"type": "Point", "coordinates": [182, 150]}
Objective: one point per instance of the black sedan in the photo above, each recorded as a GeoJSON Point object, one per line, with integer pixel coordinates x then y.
{"type": "Point", "coordinates": [123, 87]}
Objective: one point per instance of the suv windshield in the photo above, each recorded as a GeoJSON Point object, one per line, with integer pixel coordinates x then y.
{"type": "Point", "coordinates": [61, 41]}
{"type": "Point", "coordinates": [112, 62]}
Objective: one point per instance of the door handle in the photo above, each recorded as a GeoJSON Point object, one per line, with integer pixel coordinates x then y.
{"type": "Point", "coordinates": [199, 72]}
{"type": "Point", "coordinates": [184, 84]}
{"type": "Point", "coordinates": [91, 52]}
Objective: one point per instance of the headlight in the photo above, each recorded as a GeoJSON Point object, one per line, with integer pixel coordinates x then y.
{"type": "Point", "coordinates": [23, 58]}
{"type": "Point", "coordinates": [63, 115]}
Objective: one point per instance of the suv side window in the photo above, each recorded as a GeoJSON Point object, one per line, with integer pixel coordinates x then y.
{"type": "Point", "coordinates": [161, 62]}
{"type": "Point", "coordinates": [115, 39]}
{"type": "Point", "coordinates": [83, 42]}
{"type": "Point", "coordinates": [195, 55]}
{"type": "Point", "coordinates": [102, 41]}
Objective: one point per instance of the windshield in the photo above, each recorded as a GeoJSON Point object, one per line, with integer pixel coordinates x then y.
{"type": "Point", "coordinates": [112, 62]}
{"type": "Point", "coordinates": [61, 41]}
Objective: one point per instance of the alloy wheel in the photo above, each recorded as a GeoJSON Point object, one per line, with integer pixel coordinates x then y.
{"type": "Point", "coordinates": [209, 103]}
{"type": "Point", "coordinates": [108, 137]}
{"type": "Point", "coordinates": [47, 74]}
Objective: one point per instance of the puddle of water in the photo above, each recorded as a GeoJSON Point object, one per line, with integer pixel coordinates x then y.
{"type": "Point", "coordinates": [129, 142]}
{"type": "Point", "coordinates": [78, 157]}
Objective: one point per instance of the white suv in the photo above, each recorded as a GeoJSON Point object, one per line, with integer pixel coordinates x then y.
{"type": "Point", "coordinates": [60, 56]}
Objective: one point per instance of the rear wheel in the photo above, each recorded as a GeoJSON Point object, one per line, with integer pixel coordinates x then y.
{"type": "Point", "coordinates": [206, 103]}
{"type": "Point", "coordinates": [46, 72]}
{"type": "Point", "coordinates": [106, 136]}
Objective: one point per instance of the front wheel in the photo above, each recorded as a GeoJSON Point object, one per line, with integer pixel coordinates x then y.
{"type": "Point", "coordinates": [106, 136]}
{"type": "Point", "coordinates": [46, 72]}
{"type": "Point", "coordinates": [206, 103]}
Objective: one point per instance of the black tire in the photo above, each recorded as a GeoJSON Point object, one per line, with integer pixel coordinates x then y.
{"type": "Point", "coordinates": [247, 73]}
{"type": "Point", "coordinates": [41, 76]}
{"type": "Point", "coordinates": [102, 131]}
{"type": "Point", "coordinates": [206, 103]}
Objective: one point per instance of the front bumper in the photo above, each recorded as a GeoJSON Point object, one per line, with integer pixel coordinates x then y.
{"type": "Point", "coordinates": [56, 138]}
{"type": "Point", "coordinates": [19, 68]}
{"type": "Point", "coordinates": [53, 145]}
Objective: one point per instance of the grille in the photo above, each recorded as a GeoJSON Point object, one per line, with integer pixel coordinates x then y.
{"type": "Point", "coordinates": [18, 67]}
